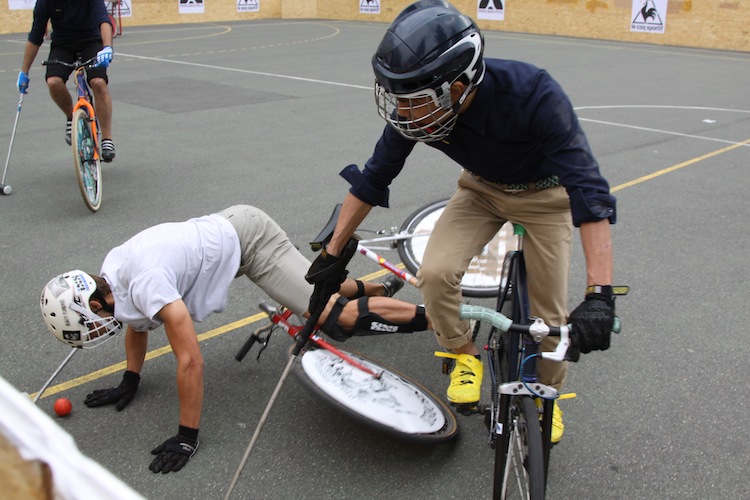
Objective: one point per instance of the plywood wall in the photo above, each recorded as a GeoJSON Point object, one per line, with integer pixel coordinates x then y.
{"type": "Point", "coordinates": [713, 24]}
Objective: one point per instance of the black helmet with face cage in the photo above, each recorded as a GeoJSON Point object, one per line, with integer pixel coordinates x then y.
{"type": "Point", "coordinates": [429, 46]}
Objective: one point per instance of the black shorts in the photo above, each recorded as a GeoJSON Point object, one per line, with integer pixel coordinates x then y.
{"type": "Point", "coordinates": [70, 53]}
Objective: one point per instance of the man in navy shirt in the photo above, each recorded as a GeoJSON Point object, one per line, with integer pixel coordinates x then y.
{"type": "Point", "coordinates": [79, 27]}
{"type": "Point", "coordinates": [525, 159]}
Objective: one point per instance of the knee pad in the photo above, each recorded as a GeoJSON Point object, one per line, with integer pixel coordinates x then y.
{"type": "Point", "coordinates": [369, 323]}
{"type": "Point", "coordinates": [331, 326]}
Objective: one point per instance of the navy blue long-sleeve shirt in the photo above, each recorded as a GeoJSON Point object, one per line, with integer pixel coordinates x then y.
{"type": "Point", "coordinates": [520, 128]}
{"type": "Point", "coordinates": [72, 20]}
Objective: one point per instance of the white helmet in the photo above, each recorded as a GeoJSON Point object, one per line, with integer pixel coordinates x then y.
{"type": "Point", "coordinates": [68, 315]}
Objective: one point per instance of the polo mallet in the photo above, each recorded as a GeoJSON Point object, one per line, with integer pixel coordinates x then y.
{"type": "Point", "coordinates": [302, 339]}
{"type": "Point", "coordinates": [59, 369]}
{"type": "Point", "coordinates": [5, 188]}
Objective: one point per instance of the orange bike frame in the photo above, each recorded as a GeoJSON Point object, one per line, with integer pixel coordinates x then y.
{"type": "Point", "coordinates": [83, 102]}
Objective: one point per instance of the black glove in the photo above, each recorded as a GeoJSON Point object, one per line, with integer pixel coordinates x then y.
{"type": "Point", "coordinates": [174, 453]}
{"type": "Point", "coordinates": [327, 272]}
{"type": "Point", "coordinates": [122, 394]}
{"type": "Point", "coordinates": [592, 323]}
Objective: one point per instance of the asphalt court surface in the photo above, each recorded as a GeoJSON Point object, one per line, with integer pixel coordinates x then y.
{"type": "Point", "coordinates": [267, 113]}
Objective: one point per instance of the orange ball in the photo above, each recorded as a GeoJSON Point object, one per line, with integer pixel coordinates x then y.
{"type": "Point", "coordinates": [63, 407]}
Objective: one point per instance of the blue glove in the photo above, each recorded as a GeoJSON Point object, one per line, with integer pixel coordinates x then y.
{"type": "Point", "coordinates": [23, 82]}
{"type": "Point", "coordinates": [104, 56]}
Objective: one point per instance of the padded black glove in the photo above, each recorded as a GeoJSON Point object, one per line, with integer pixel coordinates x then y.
{"type": "Point", "coordinates": [174, 453]}
{"type": "Point", "coordinates": [122, 394]}
{"type": "Point", "coordinates": [592, 322]}
{"type": "Point", "coordinates": [327, 272]}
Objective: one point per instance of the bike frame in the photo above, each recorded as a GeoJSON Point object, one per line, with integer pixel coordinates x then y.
{"type": "Point", "coordinates": [86, 100]}
{"type": "Point", "coordinates": [282, 320]}
{"type": "Point", "coordinates": [523, 351]}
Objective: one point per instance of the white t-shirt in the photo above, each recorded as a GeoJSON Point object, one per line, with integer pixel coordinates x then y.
{"type": "Point", "coordinates": [194, 261]}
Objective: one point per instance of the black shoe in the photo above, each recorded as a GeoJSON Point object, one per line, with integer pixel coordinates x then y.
{"type": "Point", "coordinates": [392, 284]}
{"type": "Point", "coordinates": [108, 150]}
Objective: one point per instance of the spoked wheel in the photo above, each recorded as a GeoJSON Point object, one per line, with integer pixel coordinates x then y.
{"type": "Point", "coordinates": [86, 160]}
{"type": "Point", "coordinates": [394, 403]}
{"type": "Point", "coordinates": [483, 277]}
{"type": "Point", "coordinates": [519, 461]}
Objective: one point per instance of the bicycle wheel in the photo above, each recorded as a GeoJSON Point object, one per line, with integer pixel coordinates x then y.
{"type": "Point", "coordinates": [484, 275]}
{"type": "Point", "coordinates": [519, 460]}
{"type": "Point", "coordinates": [115, 27]}
{"type": "Point", "coordinates": [86, 160]}
{"type": "Point", "coordinates": [394, 404]}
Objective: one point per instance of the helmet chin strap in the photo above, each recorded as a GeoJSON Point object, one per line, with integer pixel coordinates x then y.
{"type": "Point", "coordinates": [99, 297]}
{"type": "Point", "coordinates": [460, 101]}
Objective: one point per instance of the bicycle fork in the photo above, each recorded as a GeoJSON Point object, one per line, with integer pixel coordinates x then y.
{"type": "Point", "coordinates": [91, 117]}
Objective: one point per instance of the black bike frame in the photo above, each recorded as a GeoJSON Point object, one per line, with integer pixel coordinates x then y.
{"type": "Point", "coordinates": [516, 290]}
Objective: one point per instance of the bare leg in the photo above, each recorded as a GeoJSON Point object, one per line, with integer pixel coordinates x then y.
{"type": "Point", "coordinates": [60, 95]}
{"type": "Point", "coordinates": [103, 106]}
{"type": "Point", "coordinates": [349, 288]}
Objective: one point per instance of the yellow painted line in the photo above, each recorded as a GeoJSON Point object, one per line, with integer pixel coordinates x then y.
{"type": "Point", "coordinates": [224, 31]}
{"type": "Point", "coordinates": [680, 165]}
{"type": "Point", "coordinates": [257, 317]}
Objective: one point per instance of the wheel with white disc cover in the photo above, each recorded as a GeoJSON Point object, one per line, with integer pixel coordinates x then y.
{"type": "Point", "coordinates": [392, 403]}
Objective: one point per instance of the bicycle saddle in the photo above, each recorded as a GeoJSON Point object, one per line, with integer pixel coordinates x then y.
{"type": "Point", "coordinates": [326, 234]}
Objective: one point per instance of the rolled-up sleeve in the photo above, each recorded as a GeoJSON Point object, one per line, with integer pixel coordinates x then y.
{"type": "Point", "coordinates": [383, 166]}
{"type": "Point", "coordinates": [39, 23]}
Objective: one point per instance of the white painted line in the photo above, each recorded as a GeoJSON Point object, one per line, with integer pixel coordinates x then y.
{"type": "Point", "coordinates": [248, 72]}
{"type": "Point", "coordinates": [669, 132]}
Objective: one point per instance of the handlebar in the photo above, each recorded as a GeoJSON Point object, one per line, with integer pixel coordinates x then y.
{"type": "Point", "coordinates": [78, 64]}
{"type": "Point", "coordinates": [537, 329]}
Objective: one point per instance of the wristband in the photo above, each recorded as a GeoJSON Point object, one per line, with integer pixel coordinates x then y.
{"type": "Point", "coordinates": [188, 432]}
{"type": "Point", "coordinates": [605, 290]}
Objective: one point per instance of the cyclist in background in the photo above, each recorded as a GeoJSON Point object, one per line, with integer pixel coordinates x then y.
{"type": "Point", "coordinates": [177, 273]}
{"type": "Point", "coordinates": [525, 159]}
{"type": "Point", "coordinates": [80, 27]}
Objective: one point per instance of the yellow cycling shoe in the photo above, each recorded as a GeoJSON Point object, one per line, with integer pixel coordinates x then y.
{"type": "Point", "coordinates": [466, 380]}
{"type": "Point", "coordinates": [557, 425]}
{"type": "Point", "coordinates": [558, 428]}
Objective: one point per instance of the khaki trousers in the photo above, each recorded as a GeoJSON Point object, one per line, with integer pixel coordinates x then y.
{"type": "Point", "coordinates": [473, 216]}
{"type": "Point", "coordinates": [269, 259]}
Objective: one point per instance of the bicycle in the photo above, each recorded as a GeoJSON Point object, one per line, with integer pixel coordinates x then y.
{"type": "Point", "coordinates": [484, 276]}
{"type": "Point", "coordinates": [519, 414]}
{"type": "Point", "coordinates": [362, 388]}
{"type": "Point", "coordinates": [85, 136]}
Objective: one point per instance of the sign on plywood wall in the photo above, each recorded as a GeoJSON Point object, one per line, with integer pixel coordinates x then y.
{"type": "Point", "coordinates": [493, 10]}
{"type": "Point", "coordinates": [649, 16]}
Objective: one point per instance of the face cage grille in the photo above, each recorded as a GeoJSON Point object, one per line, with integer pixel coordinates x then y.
{"type": "Point", "coordinates": [100, 331]}
{"type": "Point", "coordinates": [432, 126]}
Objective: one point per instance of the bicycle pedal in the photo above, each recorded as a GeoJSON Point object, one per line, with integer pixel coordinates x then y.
{"type": "Point", "coordinates": [449, 361]}
{"type": "Point", "coordinates": [568, 395]}
{"type": "Point", "coordinates": [468, 409]}
{"type": "Point", "coordinates": [447, 366]}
